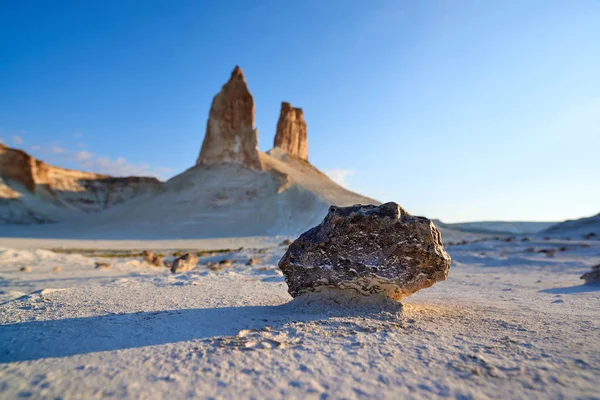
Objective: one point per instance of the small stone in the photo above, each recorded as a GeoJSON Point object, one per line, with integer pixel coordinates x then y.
{"type": "Point", "coordinates": [25, 269]}
{"type": "Point", "coordinates": [225, 263]}
{"type": "Point", "coordinates": [369, 249]}
{"type": "Point", "coordinates": [152, 259]}
{"type": "Point", "coordinates": [184, 263]}
{"type": "Point", "coordinates": [103, 265]}
{"type": "Point", "coordinates": [286, 242]}
{"type": "Point", "coordinates": [213, 266]}
{"type": "Point", "coordinates": [253, 261]}
{"type": "Point", "coordinates": [56, 269]}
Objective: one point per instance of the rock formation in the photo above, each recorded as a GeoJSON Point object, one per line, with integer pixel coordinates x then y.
{"type": "Point", "coordinates": [369, 249]}
{"type": "Point", "coordinates": [230, 134]}
{"type": "Point", "coordinates": [22, 176]}
{"type": "Point", "coordinates": [592, 277]}
{"type": "Point", "coordinates": [291, 132]}
{"type": "Point", "coordinates": [186, 262]}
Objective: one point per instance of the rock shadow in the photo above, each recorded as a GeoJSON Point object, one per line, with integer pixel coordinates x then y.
{"type": "Point", "coordinates": [586, 288]}
{"type": "Point", "coordinates": [73, 336]}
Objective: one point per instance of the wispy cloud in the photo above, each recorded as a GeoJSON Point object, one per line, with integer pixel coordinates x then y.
{"type": "Point", "coordinates": [340, 176]}
{"type": "Point", "coordinates": [17, 140]}
{"type": "Point", "coordinates": [88, 161]}
{"type": "Point", "coordinates": [77, 134]}
{"type": "Point", "coordinates": [57, 150]}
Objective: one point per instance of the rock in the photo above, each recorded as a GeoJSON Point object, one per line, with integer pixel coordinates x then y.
{"type": "Point", "coordinates": [213, 266]}
{"type": "Point", "coordinates": [147, 255]}
{"type": "Point", "coordinates": [589, 236]}
{"type": "Point", "coordinates": [593, 276]}
{"type": "Point", "coordinates": [548, 252]}
{"type": "Point", "coordinates": [253, 261]}
{"type": "Point", "coordinates": [370, 249]}
{"type": "Point", "coordinates": [152, 259]}
{"type": "Point", "coordinates": [56, 269]}
{"type": "Point", "coordinates": [291, 135]}
{"type": "Point", "coordinates": [102, 265]}
{"type": "Point", "coordinates": [230, 135]}
{"type": "Point", "coordinates": [25, 269]}
{"type": "Point", "coordinates": [157, 261]}
{"type": "Point", "coordinates": [75, 191]}
{"type": "Point", "coordinates": [184, 263]}
{"type": "Point", "coordinates": [225, 263]}
{"type": "Point", "coordinates": [286, 242]}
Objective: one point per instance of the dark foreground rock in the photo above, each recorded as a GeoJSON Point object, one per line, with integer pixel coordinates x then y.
{"type": "Point", "coordinates": [592, 277]}
{"type": "Point", "coordinates": [186, 262]}
{"type": "Point", "coordinates": [370, 249]}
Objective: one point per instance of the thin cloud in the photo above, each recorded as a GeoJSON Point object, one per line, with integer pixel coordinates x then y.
{"type": "Point", "coordinates": [57, 150]}
{"type": "Point", "coordinates": [36, 148]}
{"type": "Point", "coordinates": [17, 140]}
{"type": "Point", "coordinates": [340, 176]}
{"type": "Point", "coordinates": [77, 134]}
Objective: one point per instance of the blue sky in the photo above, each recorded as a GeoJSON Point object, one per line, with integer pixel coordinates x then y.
{"type": "Point", "coordinates": [458, 110]}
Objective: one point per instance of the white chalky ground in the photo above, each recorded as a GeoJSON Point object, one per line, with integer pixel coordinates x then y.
{"type": "Point", "coordinates": [507, 323]}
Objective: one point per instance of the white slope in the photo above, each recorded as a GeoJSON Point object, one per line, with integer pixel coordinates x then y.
{"type": "Point", "coordinates": [576, 228]}
{"type": "Point", "coordinates": [21, 207]}
{"type": "Point", "coordinates": [218, 201]}
{"type": "Point", "coordinates": [224, 200]}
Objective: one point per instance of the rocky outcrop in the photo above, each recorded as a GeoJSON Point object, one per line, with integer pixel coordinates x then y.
{"type": "Point", "coordinates": [291, 132]}
{"type": "Point", "coordinates": [26, 182]}
{"type": "Point", "coordinates": [230, 135]}
{"type": "Point", "coordinates": [368, 249]}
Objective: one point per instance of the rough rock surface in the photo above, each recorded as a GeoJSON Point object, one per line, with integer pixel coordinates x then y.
{"type": "Point", "coordinates": [592, 277]}
{"type": "Point", "coordinates": [291, 135]}
{"type": "Point", "coordinates": [230, 134]}
{"type": "Point", "coordinates": [370, 249]}
{"type": "Point", "coordinates": [184, 263]}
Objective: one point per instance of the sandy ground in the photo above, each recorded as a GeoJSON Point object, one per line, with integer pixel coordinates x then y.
{"type": "Point", "coordinates": [507, 323]}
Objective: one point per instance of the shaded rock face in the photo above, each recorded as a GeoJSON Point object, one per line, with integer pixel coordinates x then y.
{"type": "Point", "coordinates": [230, 134]}
{"type": "Point", "coordinates": [291, 134]}
{"type": "Point", "coordinates": [370, 249]}
{"type": "Point", "coordinates": [592, 277]}
{"type": "Point", "coordinates": [186, 262]}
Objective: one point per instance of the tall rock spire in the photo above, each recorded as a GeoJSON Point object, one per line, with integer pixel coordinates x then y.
{"type": "Point", "coordinates": [291, 131]}
{"type": "Point", "coordinates": [230, 134]}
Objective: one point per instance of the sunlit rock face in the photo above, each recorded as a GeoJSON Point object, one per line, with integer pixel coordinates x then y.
{"type": "Point", "coordinates": [230, 134]}
{"type": "Point", "coordinates": [23, 175]}
{"type": "Point", "coordinates": [370, 249]}
{"type": "Point", "coordinates": [291, 132]}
